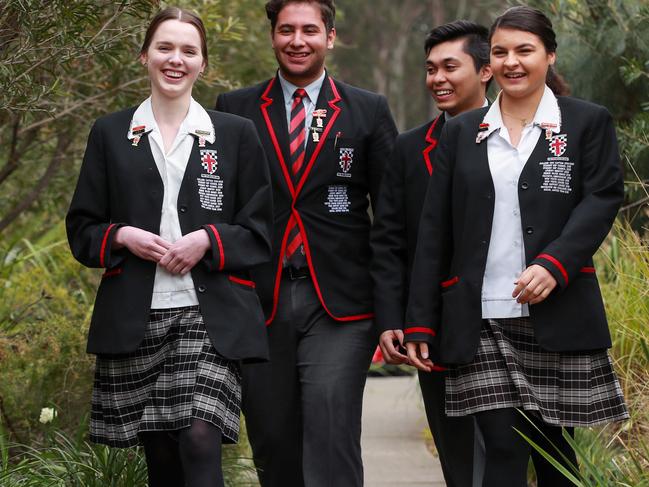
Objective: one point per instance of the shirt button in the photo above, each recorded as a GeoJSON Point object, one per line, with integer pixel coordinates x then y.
{"type": "Point", "coordinates": [524, 185]}
{"type": "Point", "coordinates": [183, 209]}
{"type": "Point", "coordinates": [515, 212]}
{"type": "Point", "coordinates": [529, 230]}
{"type": "Point", "coordinates": [202, 289]}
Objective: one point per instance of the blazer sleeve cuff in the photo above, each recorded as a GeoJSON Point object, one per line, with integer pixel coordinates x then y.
{"type": "Point", "coordinates": [555, 267]}
{"type": "Point", "coordinates": [108, 258]}
{"type": "Point", "coordinates": [418, 334]}
{"type": "Point", "coordinates": [215, 259]}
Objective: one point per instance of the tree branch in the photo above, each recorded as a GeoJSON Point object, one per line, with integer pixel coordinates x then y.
{"type": "Point", "coordinates": [12, 160]}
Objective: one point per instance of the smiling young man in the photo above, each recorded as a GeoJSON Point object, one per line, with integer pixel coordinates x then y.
{"type": "Point", "coordinates": [457, 76]}
{"type": "Point", "coordinates": [327, 144]}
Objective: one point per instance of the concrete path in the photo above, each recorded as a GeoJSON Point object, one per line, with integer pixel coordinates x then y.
{"type": "Point", "coordinates": [394, 449]}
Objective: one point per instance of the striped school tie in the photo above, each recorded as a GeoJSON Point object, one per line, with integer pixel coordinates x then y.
{"type": "Point", "coordinates": [296, 135]}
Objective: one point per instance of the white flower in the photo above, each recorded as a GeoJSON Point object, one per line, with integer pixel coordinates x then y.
{"type": "Point", "coordinates": [47, 415]}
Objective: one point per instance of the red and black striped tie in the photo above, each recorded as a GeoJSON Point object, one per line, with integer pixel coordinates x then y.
{"type": "Point", "coordinates": [296, 135]}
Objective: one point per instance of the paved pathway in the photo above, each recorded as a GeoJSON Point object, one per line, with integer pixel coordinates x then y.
{"type": "Point", "coordinates": [394, 450]}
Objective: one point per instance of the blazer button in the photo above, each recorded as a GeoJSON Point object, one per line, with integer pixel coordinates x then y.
{"type": "Point", "coordinates": [488, 196]}
{"type": "Point", "coordinates": [202, 289]}
{"type": "Point", "coordinates": [183, 209]}
{"type": "Point", "coordinates": [529, 230]}
{"type": "Point", "coordinates": [524, 185]}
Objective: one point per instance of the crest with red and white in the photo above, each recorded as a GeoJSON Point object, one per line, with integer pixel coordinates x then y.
{"type": "Point", "coordinates": [209, 161]}
{"type": "Point", "coordinates": [558, 144]}
{"type": "Point", "coordinates": [346, 159]}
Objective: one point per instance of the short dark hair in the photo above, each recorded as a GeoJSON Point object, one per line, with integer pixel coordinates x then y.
{"type": "Point", "coordinates": [532, 20]}
{"type": "Point", "coordinates": [175, 13]}
{"type": "Point", "coordinates": [476, 38]}
{"type": "Point", "coordinates": [327, 10]}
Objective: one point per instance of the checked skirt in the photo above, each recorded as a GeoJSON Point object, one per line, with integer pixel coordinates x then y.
{"type": "Point", "coordinates": [510, 370]}
{"type": "Point", "coordinates": [174, 376]}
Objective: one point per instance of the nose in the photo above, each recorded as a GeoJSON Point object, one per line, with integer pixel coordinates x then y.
{"type": "Point", "coordinates": [297, 39]}
{"type": "Point", "coordinates": [439, 76]}
{"type": "Point", "coordinates": [511, 59]}
{"type": "Point", "coordinates": [175, 57]}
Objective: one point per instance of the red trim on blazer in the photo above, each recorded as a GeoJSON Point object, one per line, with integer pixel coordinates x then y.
{"type": "Point", "coordinates": [112, 272]}
{"type": "Point", "coordinates": [420, 329]}
{"type": "Point", "coordinates": [450, 282]}
{"type": "Point", "coordinates": [433, 143]}
{"type": "Point", "coordinates": [102, 252]}
{"type": "Point", "coordinates": [295, 193]}
{"type": "Point", "coordinates": [314, 277]}
{"type": "Point", "coordinates": [271, 131]}
{"type": "Point", "coordinates": [243, 282]}
{"type": "Point", "coordinates": [220, 244]}
{"type": "Point", "coordinates": [548, 257]}
{"type": "Point", "coordinates": [587, 270]}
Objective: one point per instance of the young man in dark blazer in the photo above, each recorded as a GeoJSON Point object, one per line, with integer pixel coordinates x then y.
{"type": "Point", "coordinates": [327, 144]}
{"type": "Point", "coordinates": [457, 77]}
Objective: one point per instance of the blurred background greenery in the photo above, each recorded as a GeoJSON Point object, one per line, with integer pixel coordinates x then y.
{"type": "Point", "coordinates": [63, 63]}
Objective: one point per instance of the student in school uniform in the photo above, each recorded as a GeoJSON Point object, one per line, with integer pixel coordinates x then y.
{"type": "Point", "coordinates": [457, 76]}
{"type": "Point", "coordinates": [174, 202]}
{"type": "Point", "coordinates": [327, 144]}
{"type": "Point", "coordinates": [522, 195]}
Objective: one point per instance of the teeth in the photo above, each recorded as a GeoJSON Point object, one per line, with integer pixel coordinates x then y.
{"type": "Point", "coordinates": [443, 92]}
{"type": "Point", "coordinates": [514, 75]}
{"type": "Point", "coordinates": [174, 74]}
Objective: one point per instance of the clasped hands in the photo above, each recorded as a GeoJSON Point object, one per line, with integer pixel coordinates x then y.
{"type": "Point", "coordinates": [532, 287]}
{"type": "Point", "coordinates": [178, 257]}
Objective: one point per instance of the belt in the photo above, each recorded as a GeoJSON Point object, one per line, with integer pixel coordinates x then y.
{"type": "Point", "coordinates": [294, 274]}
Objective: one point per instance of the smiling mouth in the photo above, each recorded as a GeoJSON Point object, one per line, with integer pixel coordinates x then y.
{"type": "Point", "coordinates": [514, 75]}
{"type": "Point", "coordinates": [442, 93]}
{"type": "Point", "coordinates": [173, 74]}
{"type": "Point", "coordinates": [297, 55]}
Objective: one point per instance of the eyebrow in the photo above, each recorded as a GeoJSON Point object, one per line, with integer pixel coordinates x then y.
{"type": "Point", "coordinates": [304, 26]}
{"type": "Point", "coordinates": [170, 43]}
{"type": "Point", "coordinates": [445, 60]}
{"type": "Point", "coordinates": [520, 46]}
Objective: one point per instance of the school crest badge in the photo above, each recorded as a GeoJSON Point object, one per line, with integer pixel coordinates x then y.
{"type": "Point", "coordinates": [209, 161]}
{"type": "Point", "coordinates": [558, 144]}
{"type": "Point", "coordinates": [346, 160]}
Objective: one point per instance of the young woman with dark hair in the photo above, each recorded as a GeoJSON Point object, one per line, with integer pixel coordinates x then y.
{"type": "Point", "coordinates": [503, 288]}
{"type": "Point", "coordinates": [174, 202]}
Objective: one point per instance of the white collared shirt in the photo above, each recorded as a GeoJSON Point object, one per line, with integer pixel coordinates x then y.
{"type": "Point", "coordinates": [506, 256]}
{"type": "Point", "coordinates": [172, 290]}
{"type": "Point", "coordinates": [312, 91]}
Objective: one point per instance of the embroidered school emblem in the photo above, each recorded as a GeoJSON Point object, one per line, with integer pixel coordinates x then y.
{"type": "Point", "coordinates": [346, 160]}
{"type": "Point", "coordinates": [209, 161]}
{"type": "Point", "coordinates": [558, 144]}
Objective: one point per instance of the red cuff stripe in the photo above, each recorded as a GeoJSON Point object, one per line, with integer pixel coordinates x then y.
{"type": "Point", "coordinates": [220, 244]}
{"type": "Point", "coordinates": [102, 252]}
{"type": "Point", "coordinates": [450, 282]}
{"type": "Point", "coordinates": [243, 282]}
{"type": "Point", "coordinates": [420, 329]}
{"type": "Point", "coordinates": [558, 264]}
{"type": "Point", "coordinates": [589, 270]}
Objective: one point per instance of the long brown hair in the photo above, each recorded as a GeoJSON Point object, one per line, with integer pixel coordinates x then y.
{"type": "Point", "coordinates": [175, 13]}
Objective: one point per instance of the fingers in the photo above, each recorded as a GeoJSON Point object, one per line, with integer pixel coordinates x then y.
{"type": "Point", "coordinates": [534, 285]}
{"type": "Point", "coordinates": [418, 356]}
{"type": "Point", "coordinates": [391, 354]}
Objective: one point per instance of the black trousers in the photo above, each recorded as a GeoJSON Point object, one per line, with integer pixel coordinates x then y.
{"type": "Point", "coordinates": [508, 453]}
{"type": "Point", "coordinates": [458, 442]}
{"type": "Point", "coordinates": [303, 408]}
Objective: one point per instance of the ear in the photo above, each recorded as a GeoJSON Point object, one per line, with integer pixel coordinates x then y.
{"type": "Point", "coordinates": [485, 73]}
{"type": "Point", "coordinates": [143, 59]}
{"type": "Point", "coordinates": [331, 38]}
{"type": "Point", "coordinates": [552, 57]}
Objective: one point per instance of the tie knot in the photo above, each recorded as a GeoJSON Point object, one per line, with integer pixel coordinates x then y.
{"type": "Point", "coordinates": [299, 94]}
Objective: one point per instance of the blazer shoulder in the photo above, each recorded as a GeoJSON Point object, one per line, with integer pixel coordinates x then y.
{"type": "Point", "coordinates": [246, 93]}
{"type": "Point", "coordinates": [467, 121]}
{"type": "Point", "coordinates": [356, 93]}
{"type": "Point", "coordinates": [584, 109]}
{"type": "Point", "coordinates": [227, 119]}
{"type": "Point", "coordinates": [413, 135]}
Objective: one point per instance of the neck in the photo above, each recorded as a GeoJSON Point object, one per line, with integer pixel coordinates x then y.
{"type": "Point", "coordinates": [476, 102]}
{"type": "Point", "coordinates": [170, 112]}
{"type": "Point", "coordinates": [301, 81]}
{"type": "Point", "coordinates": [523, 108]}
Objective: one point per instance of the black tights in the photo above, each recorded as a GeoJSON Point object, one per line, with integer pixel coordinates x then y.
{"type": "Point", "coordinates": [190, 457]}
{"type": "Point", "coordinates": [507, 452]}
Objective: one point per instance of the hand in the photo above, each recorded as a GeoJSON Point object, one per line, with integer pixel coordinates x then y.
{"type": "Point", "coordinates": [145, 245]}
{"type": "Point", "coordinates": [418, 356]}
{"type": "Point", "coordinates": [387, 342]}
{"type": "Point", "coordinates": [185, 252]}
{"type": "Point", "coordinates": [534, 285]}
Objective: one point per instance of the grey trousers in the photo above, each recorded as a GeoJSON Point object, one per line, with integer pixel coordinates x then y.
{"type": "Point", "coordinates": [303, 408]}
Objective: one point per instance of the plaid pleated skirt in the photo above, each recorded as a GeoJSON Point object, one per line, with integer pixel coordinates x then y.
{"type": "Point", "coordinates": [510, 370]}
{"type": "Point", "coordinates": [173, 377]}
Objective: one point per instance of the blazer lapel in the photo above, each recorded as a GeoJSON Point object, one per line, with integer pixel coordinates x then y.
{"type": "Point", "coordinates": [274, 115]}
{"type": "Point", "coordinates": [328, 100]}
{"type": "Point", "coordinates": [432, 136]}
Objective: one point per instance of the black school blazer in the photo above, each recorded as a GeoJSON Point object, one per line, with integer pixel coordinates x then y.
{"type": "Point", "coordinates": [330, 201]}
{"type": "Point", "coordinates": [396, 221]}
{"type": "Point", "coordinates": [119, 185]}
{"type": "Point", "coordinates": [568, 204]}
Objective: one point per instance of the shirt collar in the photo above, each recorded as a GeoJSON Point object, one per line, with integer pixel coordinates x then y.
{"type": "Point", "coordinates": [448, 117]}
{"type": "Point", "coordinates": [547, 116]}
{"type": "Point", "coordinates": [312, 89]}
{"type": "Point", "coordinates": [197, 122]}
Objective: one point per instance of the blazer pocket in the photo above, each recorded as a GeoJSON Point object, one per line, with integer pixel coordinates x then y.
{"type": "Point", "coordinates": [247, 284]}
{"type": "Point", "coordinates": [450, 282]}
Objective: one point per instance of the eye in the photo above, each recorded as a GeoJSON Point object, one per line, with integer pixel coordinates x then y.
{"type": "Point", "coordinates": [451, 67]}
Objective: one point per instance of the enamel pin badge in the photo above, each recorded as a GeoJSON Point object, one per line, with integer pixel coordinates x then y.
{"type": "Point", "coordinates": [209, 161]}
{"type": "Point", "coordinates": [345, 161]}
{"type": "Point", "coordinates": [482, 132]}
{"type": "Point", "coordinates": [137, 134]}
{"type": "Point", "coordinates": [558, 144]}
